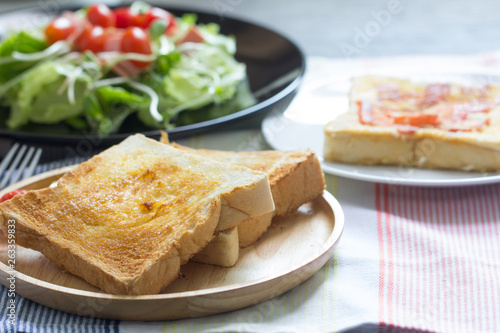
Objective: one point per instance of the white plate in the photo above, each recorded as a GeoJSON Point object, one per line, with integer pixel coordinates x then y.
{"type": "Point", "coordinates": [324, 96]}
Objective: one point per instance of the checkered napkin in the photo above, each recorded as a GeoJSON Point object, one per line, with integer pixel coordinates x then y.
{"type": "Point", "coordinates": [410, 259]}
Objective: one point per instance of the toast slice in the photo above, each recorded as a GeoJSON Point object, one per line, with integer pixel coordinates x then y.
{"type": "Point", "coordinates": [295, 178]}
{"type": "Point", "coordinates": [222, 251]}
{"type": "Point", "coordinates": [129, 217]}
{"type": "Point", "coordinates": [399, 122]}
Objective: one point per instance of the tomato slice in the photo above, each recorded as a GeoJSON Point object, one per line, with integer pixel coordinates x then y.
{"type": "Point", "coordinates": [193, 35]}
{"type": "Point", "coordinates": [172, 27]}
{"type": "Point", "coordinates": [418, 120]}
{"type": "Point", "coordinates": [59, 29]}
{"type": "Point", "coordinates": [101, 15]}
{"type": "Point", "coordinates": [10, 195]}
{"type": "Point", "coordinates": [135, 40]}
{"type": "Point", "coordinates": [92, 39]}
{"type": "Point", "coordinates": [369, 114]}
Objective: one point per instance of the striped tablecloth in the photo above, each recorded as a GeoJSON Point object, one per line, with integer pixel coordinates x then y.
{"type": "Point", "coordinates": [411, 259]}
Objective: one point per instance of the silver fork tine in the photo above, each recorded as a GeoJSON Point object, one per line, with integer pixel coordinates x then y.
{"type": "Point", "coordinates": [23, 159]}
{"type": "Point", "coordinates": [8, 157]}
{"type": "Point", "coordinates": [22, 166]}
{"type": "Point", "coordinates": [34, 163]}
{"type": "Point", "coordinates": [13, 166]}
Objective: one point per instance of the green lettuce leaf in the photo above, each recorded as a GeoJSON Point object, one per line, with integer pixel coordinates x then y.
{"type": "Point", "coordinates": [110, 106]}
{"type": "Point", "coordinates": [21, 42]}
{"type": "Point", "coordinates": [39, 97]}
{"type": "Point", "coordinates": [204, 76]}
{"type": "Point", "coordinates": [242, 100]}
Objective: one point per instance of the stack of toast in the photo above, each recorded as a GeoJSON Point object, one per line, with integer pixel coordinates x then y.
{"type": "Point", "coordinates": [295, 178]}
{"type": "Point", "coordinates": [127, 219]}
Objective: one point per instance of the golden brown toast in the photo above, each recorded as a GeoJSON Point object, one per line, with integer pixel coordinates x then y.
{"type": "Point", "coordinates": [129, 217]}
{"type": "Point", "coordinates": [394, 121]}
{"type": "Point", "coordinates": [295, 178]}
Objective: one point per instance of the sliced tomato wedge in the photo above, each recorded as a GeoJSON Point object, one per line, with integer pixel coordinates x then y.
{"type": "Point", "coordinates": [418, 120]}
{"type": "Point", "coordinates": [406, 130]}
{"type": "Point", "coordinates": [193, 36]}
{"type": "Point", "coordinates": [10, 195]}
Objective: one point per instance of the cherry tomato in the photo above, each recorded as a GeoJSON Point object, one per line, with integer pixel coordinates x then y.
{"type": "Point", "coordinates": [125, 18]}
{"type": "Point", "coordinates": [10, 195]}
{"type": "Point", "coordinates": [101, 15]}
{"type": "Point", "coordinates": [172, 27]}
{"type": "Point", "coordinates": [59, 29]}
{"type": "Point", "coordinates": [154, 14]}
{"type": "Point", "coordinates": [135, 40]}
{"type": "Point", "coordinates": [92, 39]}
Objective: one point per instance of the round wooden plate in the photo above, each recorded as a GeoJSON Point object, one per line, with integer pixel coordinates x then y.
{"type": "Point", "coordinates": [292, 250]}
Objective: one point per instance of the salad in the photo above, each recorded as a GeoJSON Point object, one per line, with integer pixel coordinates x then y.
{"type": "Point", "coordinates": [97, 67]}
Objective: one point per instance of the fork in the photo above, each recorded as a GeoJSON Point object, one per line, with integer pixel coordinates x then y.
{"type": "Point", "coordinates": [22, 156]}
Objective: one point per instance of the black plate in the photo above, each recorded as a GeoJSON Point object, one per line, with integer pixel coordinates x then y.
{"type": "Point", "coordinates": [275, 67]}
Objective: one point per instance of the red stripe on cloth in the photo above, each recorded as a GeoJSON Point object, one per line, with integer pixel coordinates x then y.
{"type": "Point", "coordinates": [493, 230]}
{"type": "Point", "coordinates": [466, 271]}
{"type": "Point", "coordinates": [493, 218]}
{"type": "Point", "coordinates": [390, 256]}
{"type": "Point", "coordinates": [381, 284]}
{"type": "Point", "coordinates": [481, 300]}
{"type": "Point", "coordinates": [411, 241]}
{"type": "Point", "coordinates": [443, 229]}
{"type": "Point", "coordinates": [399, 248]}
{"type": "Point", "coordinates": [419, 252]}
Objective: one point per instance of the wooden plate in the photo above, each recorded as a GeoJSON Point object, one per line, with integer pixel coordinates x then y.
{"type": "Point", "coordinates": [291, 251]}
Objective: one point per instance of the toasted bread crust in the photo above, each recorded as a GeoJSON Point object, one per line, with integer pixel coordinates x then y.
{"type": "Point", "coordinates": [250, 230]}
{"type": "Point", "coordinates": [297, 183]}
{"type": "Point", "coordinates": [223, 250]}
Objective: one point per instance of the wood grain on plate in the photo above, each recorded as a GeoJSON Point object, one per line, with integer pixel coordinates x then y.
{"type": "Point", "coordinates": [291, 251]}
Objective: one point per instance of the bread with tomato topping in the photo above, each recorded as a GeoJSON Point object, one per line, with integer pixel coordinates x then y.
{"type": "Point", "coordinates": [394, 121]}
{"type": "Point", "coordinates": [127, 219]}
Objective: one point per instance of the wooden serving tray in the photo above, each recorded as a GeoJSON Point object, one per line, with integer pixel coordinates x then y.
{"type": "Point", "coordinates": [291, 251]}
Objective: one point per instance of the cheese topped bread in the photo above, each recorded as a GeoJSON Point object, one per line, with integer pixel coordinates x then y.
{"type": "Point", "coordinates": [394, 121]}
{"type": "Point", "coordinates": [129, 217]}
